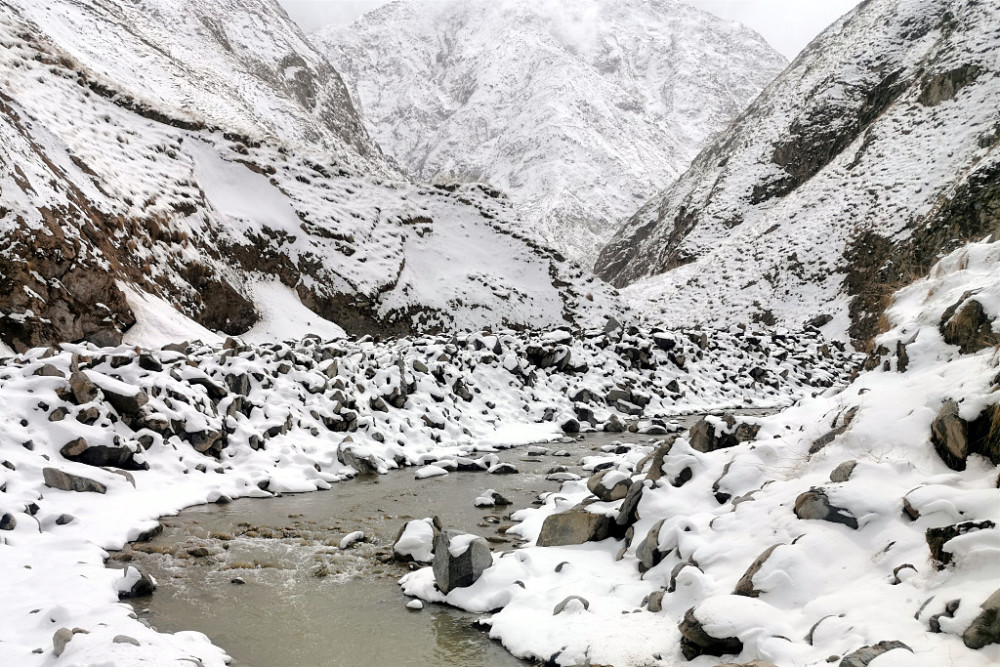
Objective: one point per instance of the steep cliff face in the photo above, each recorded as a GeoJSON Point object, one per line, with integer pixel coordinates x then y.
{"type": "Point", "coordinates": [579, 111]}
{"type": "Point", "coordinates": [873, 154]}
{"type": "Point", "coordinates": [157, 150]}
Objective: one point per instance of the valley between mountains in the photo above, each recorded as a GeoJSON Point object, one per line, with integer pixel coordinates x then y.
{"type": "Point", "coordinates": [726, 328]}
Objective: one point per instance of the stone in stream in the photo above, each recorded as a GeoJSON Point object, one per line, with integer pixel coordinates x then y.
{"type": "Point", "coordinates": [134, 583]}
{"type": "Point", "coordinates": [459, 559]}
{"type": "Point", "coordinates": [415, 540]}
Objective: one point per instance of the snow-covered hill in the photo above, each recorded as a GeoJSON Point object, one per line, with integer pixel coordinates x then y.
{"type": "Point", "coordinates": [875, 152]}
{"type": "Point", "coordinates": [580, 110]}
{"type": "Point", "coordinates": [203, 155]}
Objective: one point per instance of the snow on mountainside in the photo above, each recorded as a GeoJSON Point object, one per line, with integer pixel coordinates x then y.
{"type": "Point", "coordinates": [202, 166]}
{"type": "Point", "coordinates": [874, 153]}
{"type": "Point", "coordinates": [580, 111]}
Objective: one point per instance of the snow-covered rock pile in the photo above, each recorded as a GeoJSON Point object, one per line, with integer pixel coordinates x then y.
{"type": "Point", "coordinates": [858, 527]}
{"type": "Point", "coordinates": [580, 112]}
{"type": "Point", "coordinates": [874, 154]}
{"type": "Point", "coordinates": [96, 443]}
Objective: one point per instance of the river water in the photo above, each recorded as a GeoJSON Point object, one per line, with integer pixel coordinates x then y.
{"type": "Point", "coordinates": [264, 579]}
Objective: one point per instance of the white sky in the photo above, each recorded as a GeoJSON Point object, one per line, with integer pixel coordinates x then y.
{"type": "Point", "coordinates": [787, 24]}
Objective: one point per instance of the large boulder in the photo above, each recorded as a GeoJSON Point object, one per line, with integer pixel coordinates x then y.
{"type": "Point", "coordinates": [696, 641]}
{"type": "Point", "coordinates": [124, 398]}
{"type": "Point", "coordinates": [459, 559]}
{"type": "Point", "coordinates": [575, 526]}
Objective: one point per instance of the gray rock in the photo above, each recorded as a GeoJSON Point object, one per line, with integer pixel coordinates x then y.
{"type": "Point", "coordinates": [204, 441]}
{"type": "Point", "coordinates": [866, 654]}
{"type": "Point", "coordinates": [949, 435]}
{"type": "Point", "coordinates": [135, 584]}
{"type": "Point", "coordinates": [84, 391]}
{"type": "Point", "coordinates": [842, 473]}
{"type": "Point", "coordinates": [8, 522]}
{"type": "Point", "coordinates": [57, 479]}
{"type": "Point", "coordinates": [570, 426]}
{"type": "Point", "coordinates": [614, 425]}
{"type": "Point", "coordinates": [61, 637]}
{"type": "Point", "coordinates": [985, 628]}
{"type": "Point", "coordinates": [101, 456]}
{"type": "Point", "coordinates": [64, 519]}
{"type": "Point", "coordinates": [616, 491]}
{"type": "Point", "coordinates": [126, 403]}
{"type": "Point", "coordinates": [648, 552]}
{"type": "Point", "coordinates": [654, 602]}
{"type": "Point", "coordinates": [561, 607]}
{"type": "Point", "coordinates": [696, 641]}
{"type": "Point", "coordinates": [628, 513]}
{"type": "Point", "coordinates": [704, 438]}
{"type": "Point", "coordinates": [745, 585]}
{"type": "Point", "coordinates": [125, 639]}
{"type": "Point", "coordinates": [451, 571]}
{"type": "Point", "coordinates": [815, 505]}
{"type": "Point", "coordinates": [575, 526]}
{"type": "Point", "coordinates": [48, 370]}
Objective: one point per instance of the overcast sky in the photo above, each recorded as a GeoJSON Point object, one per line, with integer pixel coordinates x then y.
{"type": "Point", "coordinates": [787, 24]}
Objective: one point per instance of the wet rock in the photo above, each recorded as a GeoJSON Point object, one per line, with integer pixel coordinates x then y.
{"type": "Point", "coordinates": [459, 559]}
{"type": "Point", "coordinates": [745, 585]}
{"type": "Point", "coordinates": [937, 538]}
{"type": "Point", "coordinates": [842, 472]}
{"type": "Point", "coordinates": [985, 628]}
{"type": "Point", "coordinates": [866, 654]}
{"type": "Point", "coordinates": [415, 541]}
{"type": "Point", "coordinates": [815, 505]}
{"type": "Point", "coordinates": [609, 485]}
{"type": "Point", "coordinates": [614, 425]}
{"type": "Point", "coordinates": [502, 468]}
{"type": "Point", "coordinates": [8, 522]}
{"type": "Point", "coordinates": [134, 583]}
{"type": "Point", "coordinates": [949, 435]}
{"type": "Point", "coordinates": [573, 602]}
{"type": "Point", "coordinates": [705, 437]}
{"type": "Point", "coordinates": [351, 539]}
{"type": "Point", "coordinates": [575, 526]}
{"type": "Point", "coordinates": [696, 641]}
{"type": "Point", "coordinates": [57, 479]}
{"type": "Point", "coordinates": [198, 552]}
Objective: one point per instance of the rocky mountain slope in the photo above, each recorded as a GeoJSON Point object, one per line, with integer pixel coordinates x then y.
{"type": "Point", "coordinates": [579, 111]}
{"type": "Point", "coordinates": [145, 167]}
{"type": "Point", "coordinates": [875, 152]}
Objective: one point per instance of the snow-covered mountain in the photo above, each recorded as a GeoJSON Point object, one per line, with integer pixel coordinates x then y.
{"type": "Point", "coordinates": [874, 153]}
{"type": "Point", "coordinates": [580, 110]}
{"type": "Point", "coordinates": [203, 156]}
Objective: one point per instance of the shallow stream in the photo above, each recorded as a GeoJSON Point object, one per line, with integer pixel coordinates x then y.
{"type": "Point", "coordinates": [302, 600]}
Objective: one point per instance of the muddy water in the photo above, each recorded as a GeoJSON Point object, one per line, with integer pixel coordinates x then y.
{"type": "Point", "coordinates": [306, 602]}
